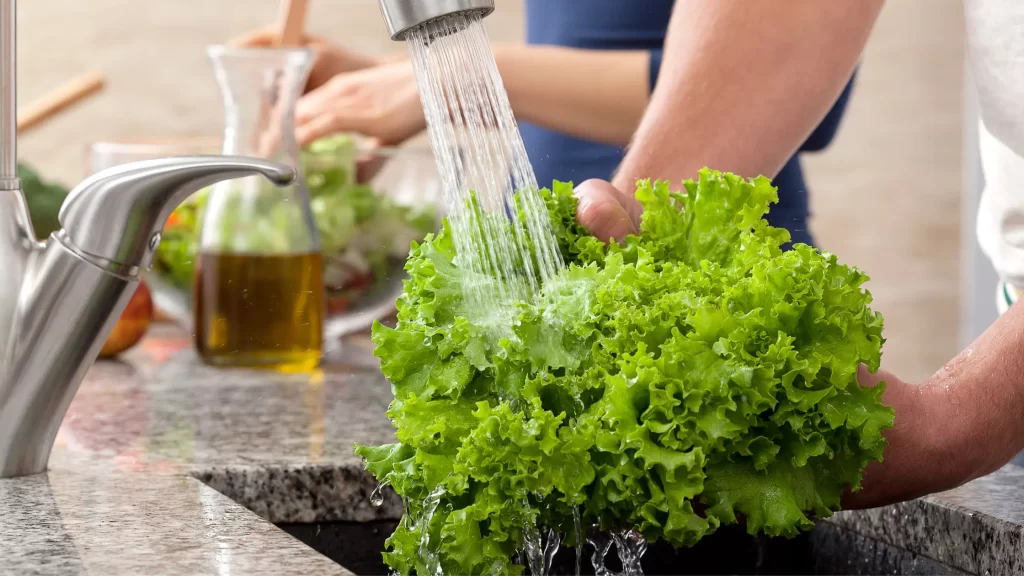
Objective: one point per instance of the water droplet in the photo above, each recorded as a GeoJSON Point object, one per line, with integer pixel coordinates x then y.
{"type": "Point", "coordinates": [377, 496]}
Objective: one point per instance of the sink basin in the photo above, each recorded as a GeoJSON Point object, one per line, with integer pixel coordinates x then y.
{"type": "Point", "coordinates": [828, 549]}
{"type": "Point", "coordinates": [356, 546]}
{"type": "Point", "coordinates": [327, 508]}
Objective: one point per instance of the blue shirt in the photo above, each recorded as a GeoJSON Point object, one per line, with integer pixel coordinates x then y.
{"type": "Point", "coordinates": [639, 25]}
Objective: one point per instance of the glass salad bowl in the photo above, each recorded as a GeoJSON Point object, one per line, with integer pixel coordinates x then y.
{"type": "Point", "coordinates": [368, 204]}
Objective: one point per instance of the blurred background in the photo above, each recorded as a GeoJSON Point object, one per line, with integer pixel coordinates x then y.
{"type": "Point", "coordinates": [888, 196]}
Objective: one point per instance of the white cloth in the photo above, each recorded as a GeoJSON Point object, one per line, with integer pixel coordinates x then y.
{"type": "Point", "coordinates": [995, 40]}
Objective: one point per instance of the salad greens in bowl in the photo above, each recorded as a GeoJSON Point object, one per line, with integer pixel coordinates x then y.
{"type": "Point", "coordinates": [369, 204]}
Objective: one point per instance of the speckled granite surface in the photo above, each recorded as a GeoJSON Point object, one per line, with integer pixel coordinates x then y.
{"type": "Point", "coordinates": [163, 466]}
{"type": "Point", "coordinates": [977, 528]}
{"type": "Point", "coordinates": [127, 488]}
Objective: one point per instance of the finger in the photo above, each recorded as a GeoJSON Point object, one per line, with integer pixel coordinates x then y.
{"type": "Point", "coordinates": [631, 204]}
{"type": "Point", "coordinates": [601, 211]}
{"type": "Point", "coordinates": [313, 104]}
{"type": "Point", "coordinates": [325, 125]}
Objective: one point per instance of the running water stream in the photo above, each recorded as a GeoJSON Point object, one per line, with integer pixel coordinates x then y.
{"type": "Point", "coordinates": [498, 221]}
{"type": "Point", "coordinates": [481, 159]}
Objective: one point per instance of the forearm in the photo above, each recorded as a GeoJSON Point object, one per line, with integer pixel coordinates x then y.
{"type": "Point", "coordinates": [594, 94]}
{"type": "Point", "coordinates": [964, 422]}
{"type": "Point", "coordinates": [391, 57]}
{"type": "Point", "coordinates": [599, 95]}
{"type": "Point", "coordinates": [984, 392]}
{"type": "Point", "coordinates": [742, 84]}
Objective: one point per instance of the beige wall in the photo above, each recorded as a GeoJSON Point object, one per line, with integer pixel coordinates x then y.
{"type": "Point", "coordinates": [152, 51]}
{"type": "Point", "coordinates": [886, 195]}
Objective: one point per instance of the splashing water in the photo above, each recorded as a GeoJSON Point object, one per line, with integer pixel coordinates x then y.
{"type": "Point", "coordinates": [551, 545]}
{"type": "Point", "coordinates": [630, 545]}
{"type": "Point", "coordinates": [481, 157]}
{"type": "Point", "coordinates": [602, 544]}
{"type": "Point", "coordinates": [539, 553]}
{"type": "Point", "coordinates": [532, 545]}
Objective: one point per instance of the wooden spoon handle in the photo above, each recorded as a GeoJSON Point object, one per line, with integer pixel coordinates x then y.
{"type": "Point", "coordinates": [291, 22]}
{"type": "Point", "coordinates": [49, 105]}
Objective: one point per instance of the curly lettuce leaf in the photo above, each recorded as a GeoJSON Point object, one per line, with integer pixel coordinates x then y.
{"type": "Point", "coordinates": [673, 383]}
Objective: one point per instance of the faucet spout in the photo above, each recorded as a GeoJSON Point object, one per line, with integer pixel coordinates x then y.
{"type": "Point", "coordinates": [115, 216]}
{"type": "Point", "coordinates": [404, 15]}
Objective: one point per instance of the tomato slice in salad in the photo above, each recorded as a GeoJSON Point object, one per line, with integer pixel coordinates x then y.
{"type": "Point", "coordinates": [172, 220]}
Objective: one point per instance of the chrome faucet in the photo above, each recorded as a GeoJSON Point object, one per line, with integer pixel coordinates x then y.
{"type": "Point", "coordinates": [60, 299]}
{"type": "Point", "coordinates": [404, 15]}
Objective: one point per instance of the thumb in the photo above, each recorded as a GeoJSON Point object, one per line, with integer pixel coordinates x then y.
{"type": "Point", "coordinates": [602, 212]}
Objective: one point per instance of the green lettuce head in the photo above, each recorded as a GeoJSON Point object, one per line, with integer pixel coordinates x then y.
{"type": "Point", "coordinates": [673, 383]}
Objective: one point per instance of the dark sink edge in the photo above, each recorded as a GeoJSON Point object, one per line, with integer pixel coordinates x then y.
{"type": "Point", "coordinates": [303, 494]}
{"type": "Point", "coordinates": [827, 549]}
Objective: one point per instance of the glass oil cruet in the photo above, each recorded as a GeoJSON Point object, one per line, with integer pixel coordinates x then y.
{"type": "Point", "coordinates": [259, 297]}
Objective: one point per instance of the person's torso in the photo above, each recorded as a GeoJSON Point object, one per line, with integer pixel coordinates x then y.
{"type": "Point", "coordinates": [593, 25]}
{"type": "Point", "coordinates": [598, 24]}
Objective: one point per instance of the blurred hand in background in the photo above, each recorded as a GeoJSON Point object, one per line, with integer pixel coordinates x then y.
{"type": "Point", "coordinates": [352, 92]}
{"type": "Point", "coordinates": [380, 102]}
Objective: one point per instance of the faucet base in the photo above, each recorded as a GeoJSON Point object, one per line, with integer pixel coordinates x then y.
{"type": "Point", "coordinates": [62, 297]}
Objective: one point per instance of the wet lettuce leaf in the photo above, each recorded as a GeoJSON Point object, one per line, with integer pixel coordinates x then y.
{"type": "Point", "coordinates": [675, 382]}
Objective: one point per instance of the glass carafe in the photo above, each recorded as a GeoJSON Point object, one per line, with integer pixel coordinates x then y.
{"type": "Point", "coordinates": [259, 295]}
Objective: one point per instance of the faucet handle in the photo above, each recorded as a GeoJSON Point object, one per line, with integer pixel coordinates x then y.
{"type": "Point", "coordinates": [115, 216]}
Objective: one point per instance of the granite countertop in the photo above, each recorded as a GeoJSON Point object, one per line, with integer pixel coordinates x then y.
{"type": "Point", "coordinates": [164, 466]}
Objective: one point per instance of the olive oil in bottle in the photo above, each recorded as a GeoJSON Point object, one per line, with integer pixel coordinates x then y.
{"type": "Point", "coordinates": [262, 311]}
{"type": "Point", "coordinates": [259, 299]}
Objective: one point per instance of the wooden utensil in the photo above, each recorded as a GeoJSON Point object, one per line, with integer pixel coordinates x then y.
{"type": "Point", "coordinates": [70, 93]}
{"type": "Point", "coordinates": [291, 22]}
